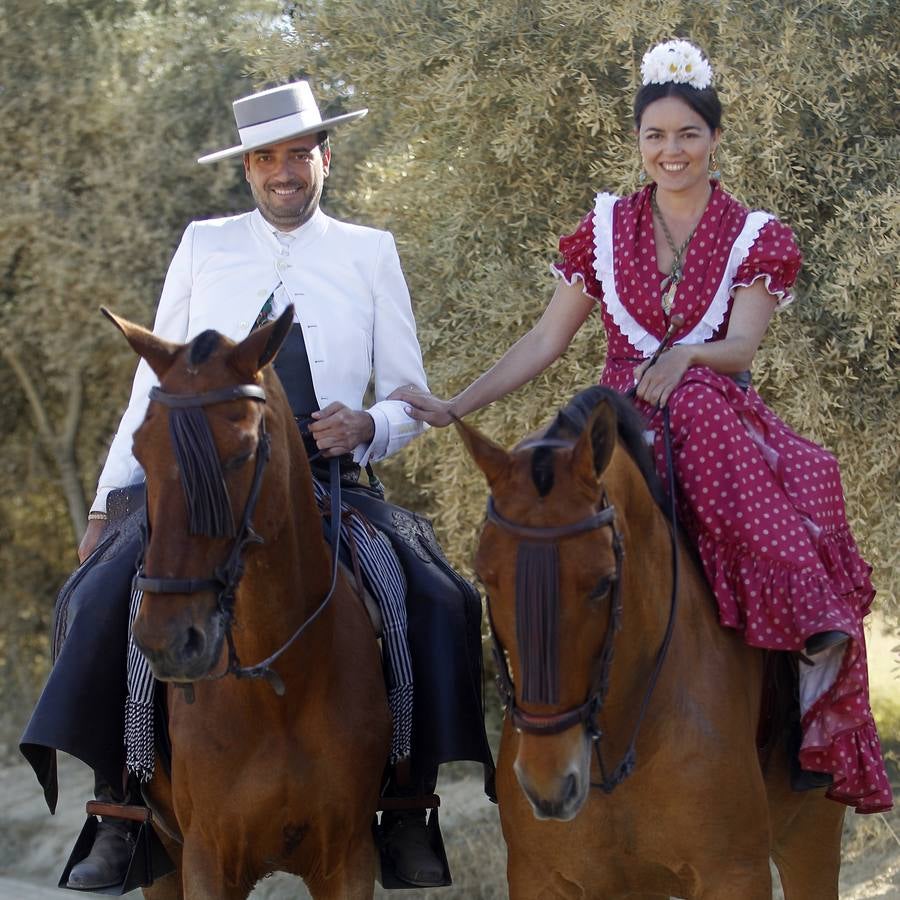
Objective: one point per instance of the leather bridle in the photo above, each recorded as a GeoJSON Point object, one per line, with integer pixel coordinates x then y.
{"type": "Point", "coordinates": [225, 578]}
{"type": "Point", "coordinates": [586, 713]}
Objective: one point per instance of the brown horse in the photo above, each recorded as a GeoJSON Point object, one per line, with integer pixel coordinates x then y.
{"type": "Point", "coordinates": [235, 564]}
{"type": "Point", "coordinates": [628, 762]}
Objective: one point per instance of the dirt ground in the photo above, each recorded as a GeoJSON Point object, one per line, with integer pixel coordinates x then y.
{"type": "Point", "coordinates": [34, 846]}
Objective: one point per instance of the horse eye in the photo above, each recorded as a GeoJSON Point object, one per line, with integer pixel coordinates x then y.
{"type": "Point", "coordinates": [602, 588]}
{"type": "Point", "coordinates": [236, 462]}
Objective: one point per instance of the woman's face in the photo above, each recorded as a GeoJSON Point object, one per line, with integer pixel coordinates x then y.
{"type": "Point", "coordinates": [675, 143]}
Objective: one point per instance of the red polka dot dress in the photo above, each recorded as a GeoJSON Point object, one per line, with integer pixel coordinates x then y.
{"type": "Point", "coordinates": [764, 506]}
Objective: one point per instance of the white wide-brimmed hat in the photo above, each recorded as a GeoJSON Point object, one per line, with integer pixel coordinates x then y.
{"type": "Point", "coordinates": [278, 114]}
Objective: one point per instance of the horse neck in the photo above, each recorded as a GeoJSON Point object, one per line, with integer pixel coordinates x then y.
{"type": "Point", "coordinates": [289, 575]}
{"type": "Point", "coordinates": [647, 571]}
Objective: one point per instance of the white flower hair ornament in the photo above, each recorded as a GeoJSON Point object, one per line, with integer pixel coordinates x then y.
{"type": "Point", "coordinates": [678, 61]}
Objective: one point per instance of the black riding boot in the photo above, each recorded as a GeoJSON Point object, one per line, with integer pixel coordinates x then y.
{"type": "Point", "coordinates": [405, 838]}
{"type": "Point", "coordinates": [107, 863]}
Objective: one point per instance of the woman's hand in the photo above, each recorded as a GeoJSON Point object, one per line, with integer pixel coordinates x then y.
{"type": "Point", "coordinates": [424, 406]}
{"type": "Point", "coordinates": [656, 383]}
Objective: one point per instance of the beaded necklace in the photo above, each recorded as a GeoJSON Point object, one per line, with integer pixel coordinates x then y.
{"type": "Point", "coordinates": [676, 275]}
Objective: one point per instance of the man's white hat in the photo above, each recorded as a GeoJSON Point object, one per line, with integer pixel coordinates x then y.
{"type": "Point", "coordinates": [275, 115]}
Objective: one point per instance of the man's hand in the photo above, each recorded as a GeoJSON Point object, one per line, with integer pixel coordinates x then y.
{"type": "Point", "coordinates": [337, 429]}
{"type": "Point", "coordinates": [89, 541]}
{"type": "Point", "coordinates": [424, 406]}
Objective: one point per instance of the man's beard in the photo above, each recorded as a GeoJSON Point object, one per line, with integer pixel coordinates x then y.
{"type": "Point", "coordinates": [288, 216]}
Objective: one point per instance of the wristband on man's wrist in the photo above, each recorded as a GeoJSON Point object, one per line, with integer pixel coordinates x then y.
{"type": "Point", "coordinates": [97, 515]}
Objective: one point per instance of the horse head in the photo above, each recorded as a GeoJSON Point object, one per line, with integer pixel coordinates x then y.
{"type": "Point", "coordinates": [551, 558]}
{"type": "Point", "coordinates": [203, 445]}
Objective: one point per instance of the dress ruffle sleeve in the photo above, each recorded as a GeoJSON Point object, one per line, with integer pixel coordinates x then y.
{"type": "Point", "coordinates": [577, 263]}
{"type": "Point", "coordinates": [774, 257]}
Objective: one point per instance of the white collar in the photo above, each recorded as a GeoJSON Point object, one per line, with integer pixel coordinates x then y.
{"type": "Point", "coordinates": [312, 228]}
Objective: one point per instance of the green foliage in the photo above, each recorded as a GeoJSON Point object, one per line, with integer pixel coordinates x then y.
{"type": "Point", "coordinates": [493, 125]}
{"type": "Point", "coordinates": [106, 106]}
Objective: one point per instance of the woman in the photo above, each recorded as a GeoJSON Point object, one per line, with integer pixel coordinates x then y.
{"type": "Point", "coordinates": [763, 506]}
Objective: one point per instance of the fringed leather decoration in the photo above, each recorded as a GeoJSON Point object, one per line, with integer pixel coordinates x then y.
{"type": "Point", "coordinates": [537, 620]}
{"type": "Point", "coordinates": [205, 492]}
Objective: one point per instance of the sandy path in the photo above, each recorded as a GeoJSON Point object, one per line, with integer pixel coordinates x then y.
{"type": "Point", "coordinates": [34, 845]}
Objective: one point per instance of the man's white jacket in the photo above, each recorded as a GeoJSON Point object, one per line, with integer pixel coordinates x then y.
{"type": "Point", "coordinates": [350, 298]}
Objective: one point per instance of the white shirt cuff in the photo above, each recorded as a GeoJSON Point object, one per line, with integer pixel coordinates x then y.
{"type": "Point", "coordinates": [99, 504]}
{"type": "Point", "coordinates": [377, 448]}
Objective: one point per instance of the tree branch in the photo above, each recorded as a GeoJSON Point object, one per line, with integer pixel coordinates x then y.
{"type": "Point", "coordinates": [60, 448]}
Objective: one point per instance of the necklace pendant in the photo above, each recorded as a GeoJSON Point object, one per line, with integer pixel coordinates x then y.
{"type": "Point", "coordinates": [669, 296]}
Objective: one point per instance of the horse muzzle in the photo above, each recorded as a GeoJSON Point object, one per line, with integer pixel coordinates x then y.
{"type": "Point", "coordinates": [555, 779]}
{"type": "Point", "coordinates": [182, 649]}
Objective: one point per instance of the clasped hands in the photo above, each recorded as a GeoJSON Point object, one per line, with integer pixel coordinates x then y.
{"type": "Point", "coordinates": [655, 383]}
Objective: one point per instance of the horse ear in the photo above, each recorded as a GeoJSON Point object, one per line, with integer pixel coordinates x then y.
{"type": "Point", "coordinates": [597, 441]}
{"type": "Point", "coordinates": [159, 353]}
{"type": "Point", "coordinates": [261, 346]}
{"type": "Point", "coordinates": [493, 460]}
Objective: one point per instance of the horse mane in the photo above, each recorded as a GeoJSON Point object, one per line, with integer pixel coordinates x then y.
{"type": "Point", "coordinates": [572, 419]}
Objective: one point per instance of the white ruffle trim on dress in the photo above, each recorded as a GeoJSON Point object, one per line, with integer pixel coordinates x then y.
{"type": "Point", "coordinates": [715, 313]}
{"type": "Point", "coordinates": [785, 297]}
{"type": "Point", "coordinates": [558, 273]}
{"type": "Point", "coordinates": [638, 336]}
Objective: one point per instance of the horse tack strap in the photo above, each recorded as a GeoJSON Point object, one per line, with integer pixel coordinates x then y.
{"type": "Point", "coordinates": [119, 811]}
{"type": "Point", "coordinates": [553, 724]}
{"type": "Point", "coordinates": [264, 669]}
{"type": "Point", "coordinates": [175, 585]}
{"type": "Point", "coordinates": [424, 801]}
{"type": "Point", "coordinates": [223, 395]}
{"type": "Point", "coordinates": [604, 516]}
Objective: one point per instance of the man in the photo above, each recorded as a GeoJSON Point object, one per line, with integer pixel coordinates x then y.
{"type": "Point", "coordinates": [353, 321]}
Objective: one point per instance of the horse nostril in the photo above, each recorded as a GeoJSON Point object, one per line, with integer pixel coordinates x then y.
{"type": "Point", "coordinates": [194, 643]}
{"type": "Point", "coordinates": [570, 789]}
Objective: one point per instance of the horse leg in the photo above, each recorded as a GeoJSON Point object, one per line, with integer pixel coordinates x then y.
{"type": "Point", "coordinates": [806, 836]}
{"type": "Point", "coordinates": [166, 888]}
{"type": "Point", "coordinates": [354, 879]}
{"type": "Point", "coordinates": [752, 881]}
{"type": "Point", "coordinates": [206, 875]}
{"type": "Point", "coordinates": [806, 846]}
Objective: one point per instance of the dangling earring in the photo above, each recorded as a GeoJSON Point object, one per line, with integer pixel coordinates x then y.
{"type": "Point", "coordinates": [642, 174]}
{"type": "Point", "coordinates": [714, 171]}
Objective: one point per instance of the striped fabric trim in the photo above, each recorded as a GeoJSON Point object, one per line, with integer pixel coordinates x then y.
{"type": "Point", "coordinates": [140, 746]}
{"type": "Point", "coordinates": [387, 583]}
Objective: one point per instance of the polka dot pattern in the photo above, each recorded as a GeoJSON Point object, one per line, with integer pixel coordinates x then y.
{"type": "Point", "coordinates": [763, 505]}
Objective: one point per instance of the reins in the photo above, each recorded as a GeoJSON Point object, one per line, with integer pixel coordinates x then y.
{"type": "Point", "coordinates": [225, 578]}
{"type": "Point", "coordinates": [629, 759]}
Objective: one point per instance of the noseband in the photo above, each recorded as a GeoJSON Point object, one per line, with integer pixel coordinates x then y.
{"type": "Point", "coordinates": [225, 578]}
{"type": "Point", "coordinates": [586, 713]}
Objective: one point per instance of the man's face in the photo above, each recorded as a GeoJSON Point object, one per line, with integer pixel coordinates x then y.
{"type": "Point", "coordinates": [287, 179]}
